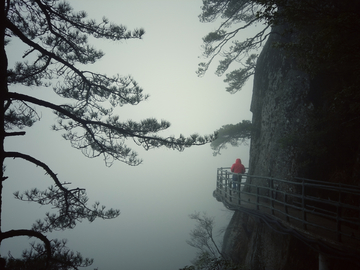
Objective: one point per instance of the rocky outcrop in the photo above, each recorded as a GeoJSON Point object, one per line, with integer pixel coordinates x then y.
{"type": "Point", "coordinates": [280, 108]}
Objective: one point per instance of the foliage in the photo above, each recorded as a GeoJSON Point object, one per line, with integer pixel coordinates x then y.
{"type": "Point", "coordinates": [205, 262]}
{"type": "Point", "coordinates": [234, 135]}
{"type": "Point", "coordinates": [237, 16]}
{"type": "Point", "coordinates": [57, 42]}
{"type": "Point", "coordinates": [209, 256]}
{"type": "Point", "coordinates": [238, 77]}
{"type": "Point", "coordinates": [61, 258]}
{"type": "Point", "coordinates": [202, 237]}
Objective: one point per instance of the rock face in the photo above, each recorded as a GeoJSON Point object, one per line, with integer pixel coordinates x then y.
{"type": "Point", "coordinates": [280, 106]}
{"type": "Point", "coordinates": [255, 246]}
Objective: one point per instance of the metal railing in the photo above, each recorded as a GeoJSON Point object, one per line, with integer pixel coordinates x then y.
{"type": "Point", "coordinates": [327, 211]}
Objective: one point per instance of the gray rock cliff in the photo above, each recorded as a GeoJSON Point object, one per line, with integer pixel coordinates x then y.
{"type": "Point", "coordinates": [280, 107]}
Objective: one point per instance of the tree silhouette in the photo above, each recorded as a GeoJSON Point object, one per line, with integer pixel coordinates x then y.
{"type": "Point", "coordinates": [234, 135]}
{"type": "Point", "coordinates": [202, 237]}
{"type": "Point", "coordinates": [209, 255]}
{"type": "Point", "coordinates": [57, 38]}
{"type": "Point", "coordinates": [320, 29]}
{"type": "Point", "coordinates": [227, 40]}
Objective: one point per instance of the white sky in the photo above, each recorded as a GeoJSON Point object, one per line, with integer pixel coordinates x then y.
{"type": "Point", "coordinates": [156, 197]}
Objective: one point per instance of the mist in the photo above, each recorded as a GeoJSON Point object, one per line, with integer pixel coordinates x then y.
{"type": "Point", "coordinates": [156, 197]}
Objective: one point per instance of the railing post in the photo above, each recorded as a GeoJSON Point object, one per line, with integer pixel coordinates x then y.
{"type": "Point", "coordinates": [226, 181]}
{"type": "Point", "coordinates": [272, 195]}
{"type": "Point", "coordinates": [257, 198]}
{"type": "Point", "coordinates": [239, 199]}
{"type": "Point", "coordinates": [303, 203]}
{"type": "Point", "coordinates": [286, 208]}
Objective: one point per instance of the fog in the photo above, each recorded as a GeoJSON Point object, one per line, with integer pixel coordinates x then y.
{"type": "Point", "coordinates": [156, 197]}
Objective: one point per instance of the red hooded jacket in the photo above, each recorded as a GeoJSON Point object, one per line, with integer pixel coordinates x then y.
{"type": "Point", "coordinates": [237, 167]}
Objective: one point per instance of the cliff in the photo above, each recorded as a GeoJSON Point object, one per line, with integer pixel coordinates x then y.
{"type": "Point", "coordinates": [280, 108]}
{"type": "Point", "coordinates": [305, 126]}
{"type": "Point", "coordinates": [285, 107]}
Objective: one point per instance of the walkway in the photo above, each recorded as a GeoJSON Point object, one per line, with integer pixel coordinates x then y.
{"type": "Point", "coordinates": [323, 213]}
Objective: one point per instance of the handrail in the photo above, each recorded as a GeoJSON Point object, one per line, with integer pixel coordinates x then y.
{"type": "Point", "coordinates": [328, 211]}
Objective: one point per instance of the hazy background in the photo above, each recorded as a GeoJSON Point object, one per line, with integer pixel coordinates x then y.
{"type": "Point", "coordinates": [156, 197]}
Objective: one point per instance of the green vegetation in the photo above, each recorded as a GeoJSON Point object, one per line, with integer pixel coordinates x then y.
{"type": "Point", "coordinates": [57, 45]}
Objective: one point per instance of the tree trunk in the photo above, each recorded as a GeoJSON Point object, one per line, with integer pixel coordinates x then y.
{"type": "Point", "coordinates": [4, 89]}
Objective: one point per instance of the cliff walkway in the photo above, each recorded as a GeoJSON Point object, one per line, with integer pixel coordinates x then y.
{"type": "Point", "coordinates": [324, 215]}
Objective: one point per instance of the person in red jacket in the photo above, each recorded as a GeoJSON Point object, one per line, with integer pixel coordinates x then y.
{"type": "Point", "coordinates": [236, 168]}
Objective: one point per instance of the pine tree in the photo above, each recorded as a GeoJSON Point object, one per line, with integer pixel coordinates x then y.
{"type": "Point", "coordinates": [57, 39]}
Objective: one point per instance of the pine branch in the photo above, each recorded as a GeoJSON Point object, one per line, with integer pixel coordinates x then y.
{"type": "Point", "coordinates": [30, 233]}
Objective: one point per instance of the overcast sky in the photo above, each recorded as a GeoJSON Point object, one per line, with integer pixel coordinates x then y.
{"type": "Point", "coordinates": [156, 197]}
